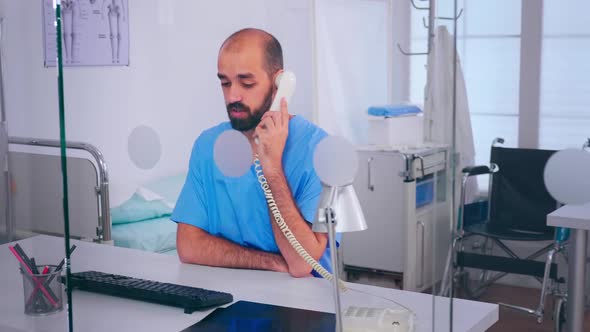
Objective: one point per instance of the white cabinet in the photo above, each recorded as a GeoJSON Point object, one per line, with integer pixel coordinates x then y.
{"type": "Point", "coordinates": [405, 199]}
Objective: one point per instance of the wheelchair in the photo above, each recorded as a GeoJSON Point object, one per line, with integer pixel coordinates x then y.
{"type": "Point", "coordinates": [517, 207]}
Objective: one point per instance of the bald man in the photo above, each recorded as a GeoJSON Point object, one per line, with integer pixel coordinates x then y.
{"type": "Point", "coordinates": [225, 221]}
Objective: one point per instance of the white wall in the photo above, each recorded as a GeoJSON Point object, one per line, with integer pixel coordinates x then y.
{"type": "Point", "coordinates": [170, 85]}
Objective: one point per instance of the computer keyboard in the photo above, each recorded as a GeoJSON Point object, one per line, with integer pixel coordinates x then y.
{"type": "Point", "coordinates": [189, 298]}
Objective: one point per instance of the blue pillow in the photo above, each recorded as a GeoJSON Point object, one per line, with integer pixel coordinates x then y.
{"type": "Point", "coordinates": [155, 235]}
{"type": "Point", "coordinates": [139, 208]}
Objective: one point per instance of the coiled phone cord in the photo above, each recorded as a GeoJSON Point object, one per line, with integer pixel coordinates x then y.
{"type": "Point", "coordinates": [274, 209]}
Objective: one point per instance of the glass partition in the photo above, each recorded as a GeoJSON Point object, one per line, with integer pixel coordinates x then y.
{"type": "Point", "coordinates": [144, 80]}
{"type": "Point", "coordinates": [32, 220]}
{"type": "Point", "coordinates": [166, 192]}
{"type": "Point", "coordinates": [148, 89]}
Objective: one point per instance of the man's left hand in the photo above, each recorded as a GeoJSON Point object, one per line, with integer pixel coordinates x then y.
{"type": "Point", "coordinates": [272, 132]}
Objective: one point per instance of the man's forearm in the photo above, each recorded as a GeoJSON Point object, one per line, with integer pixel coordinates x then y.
{"type": "Point", "coordinates": [314, 244]}
{"type": "Point", "coordinates": [196, 246]}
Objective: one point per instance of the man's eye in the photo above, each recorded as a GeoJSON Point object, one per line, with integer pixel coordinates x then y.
{"type": "Point", "coordinates": [225, 84]}
{"type": "Point", "coordinates": [249, 85]}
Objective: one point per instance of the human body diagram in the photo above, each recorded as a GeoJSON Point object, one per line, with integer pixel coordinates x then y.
{"type": "Point", "coordinates": [116, 13]}
{"type": "Point", "coordinates": [112, 10]}
{"type": "Point", "coordinates": [69, 9]}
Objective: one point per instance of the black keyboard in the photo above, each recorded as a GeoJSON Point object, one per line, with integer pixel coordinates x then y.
{"type": "Point", "coordinates": [189, 298]}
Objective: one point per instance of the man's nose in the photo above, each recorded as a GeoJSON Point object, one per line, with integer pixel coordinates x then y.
{"type": "Point", "coordinates": [235, 95]}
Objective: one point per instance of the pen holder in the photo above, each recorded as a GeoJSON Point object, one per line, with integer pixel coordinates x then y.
{"type": "Point", "coordinates": [43, 293]}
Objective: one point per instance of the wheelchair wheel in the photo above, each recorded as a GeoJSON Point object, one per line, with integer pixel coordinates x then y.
{"type": "Point", "coordinates": [559, 314]}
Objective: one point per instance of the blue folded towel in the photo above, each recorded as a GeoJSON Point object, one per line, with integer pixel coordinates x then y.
{"type": "Point", "coordinates": [394, 110]}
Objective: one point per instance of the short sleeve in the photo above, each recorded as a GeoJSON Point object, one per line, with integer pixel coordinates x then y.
{"type": "Point", "coordinates": [309, 198]}
{"type": "Point", "coordinates": [191, 204]}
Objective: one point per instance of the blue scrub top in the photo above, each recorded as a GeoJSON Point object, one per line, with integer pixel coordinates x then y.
{"type": "Point", "coordinates": [235, 208]}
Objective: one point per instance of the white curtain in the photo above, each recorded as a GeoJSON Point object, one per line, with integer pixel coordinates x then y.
{"type": "Point", "coordinates": [352, 60]}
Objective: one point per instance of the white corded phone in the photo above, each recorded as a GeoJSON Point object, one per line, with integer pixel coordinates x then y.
{"type": "Point", "coordinates": [354, 319]}
{"type": "Point", "coordinates": [286, 83]}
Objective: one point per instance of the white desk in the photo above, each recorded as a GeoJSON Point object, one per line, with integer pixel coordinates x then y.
{"type": "Point", "coordinates": [94, 312]}
{"type": "Point", "coordinates": [576, 217]}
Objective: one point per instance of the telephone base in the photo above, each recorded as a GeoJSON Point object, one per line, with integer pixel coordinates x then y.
{"type": "Point", "coordinates": [364, 319]}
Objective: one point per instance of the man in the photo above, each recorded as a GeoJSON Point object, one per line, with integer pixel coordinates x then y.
{"type": "Point", "coordinates": [225, 221]}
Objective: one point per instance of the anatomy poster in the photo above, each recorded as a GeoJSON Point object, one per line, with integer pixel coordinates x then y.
{"type": "Point", "coordinates": [94, 33]}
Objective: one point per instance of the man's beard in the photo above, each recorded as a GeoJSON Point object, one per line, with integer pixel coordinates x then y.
{"type": "Point", "coordinates": [253, 119]}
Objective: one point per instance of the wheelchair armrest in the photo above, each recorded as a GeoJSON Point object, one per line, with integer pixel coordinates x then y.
{"type": "Point", "coordinates": [477, 170]}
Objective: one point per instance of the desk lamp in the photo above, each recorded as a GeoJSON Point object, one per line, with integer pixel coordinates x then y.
{"type": "Point", "coordinates": [336, 162]}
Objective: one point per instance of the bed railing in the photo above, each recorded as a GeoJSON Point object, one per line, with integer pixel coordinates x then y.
{"type": "Point", "coordinates": [103, 230]}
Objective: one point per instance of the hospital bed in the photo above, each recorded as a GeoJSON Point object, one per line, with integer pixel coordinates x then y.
{"type": "Point", "coordinates": [35, 199]}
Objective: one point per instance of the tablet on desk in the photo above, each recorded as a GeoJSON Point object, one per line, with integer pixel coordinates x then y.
{"type": "Point", "coordinates": [247, 316]}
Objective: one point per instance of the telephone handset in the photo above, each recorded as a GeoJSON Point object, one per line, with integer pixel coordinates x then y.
{"type": "Point", "coordinates": [285, 83]}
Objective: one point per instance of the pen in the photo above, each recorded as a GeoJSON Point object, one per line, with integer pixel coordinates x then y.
{"type": "Point", "coordinates": [61, 264]}
{"type": "Point", "coordinates": [50, 297]}
{"type": "Point", "coordinates": [23, 255]}
{"type": "Point", "coordinates": [34, 266]}
{"type": "Point", "coordinates": [59, 267]}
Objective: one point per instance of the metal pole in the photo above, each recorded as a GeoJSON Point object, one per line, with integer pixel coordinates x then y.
{"type": "Point", "coordinates": [315, 115]}
{"type": "Point", "coordinates": [575, 287]}
{"type": "Point", "coordinates": [10, 227]}
{"type": "Point", "coordinates": [454, 156]}
{"type": "Point", "coordinates": [2, 101]}
{"type": "Point", "coordinates": [335, 269]}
